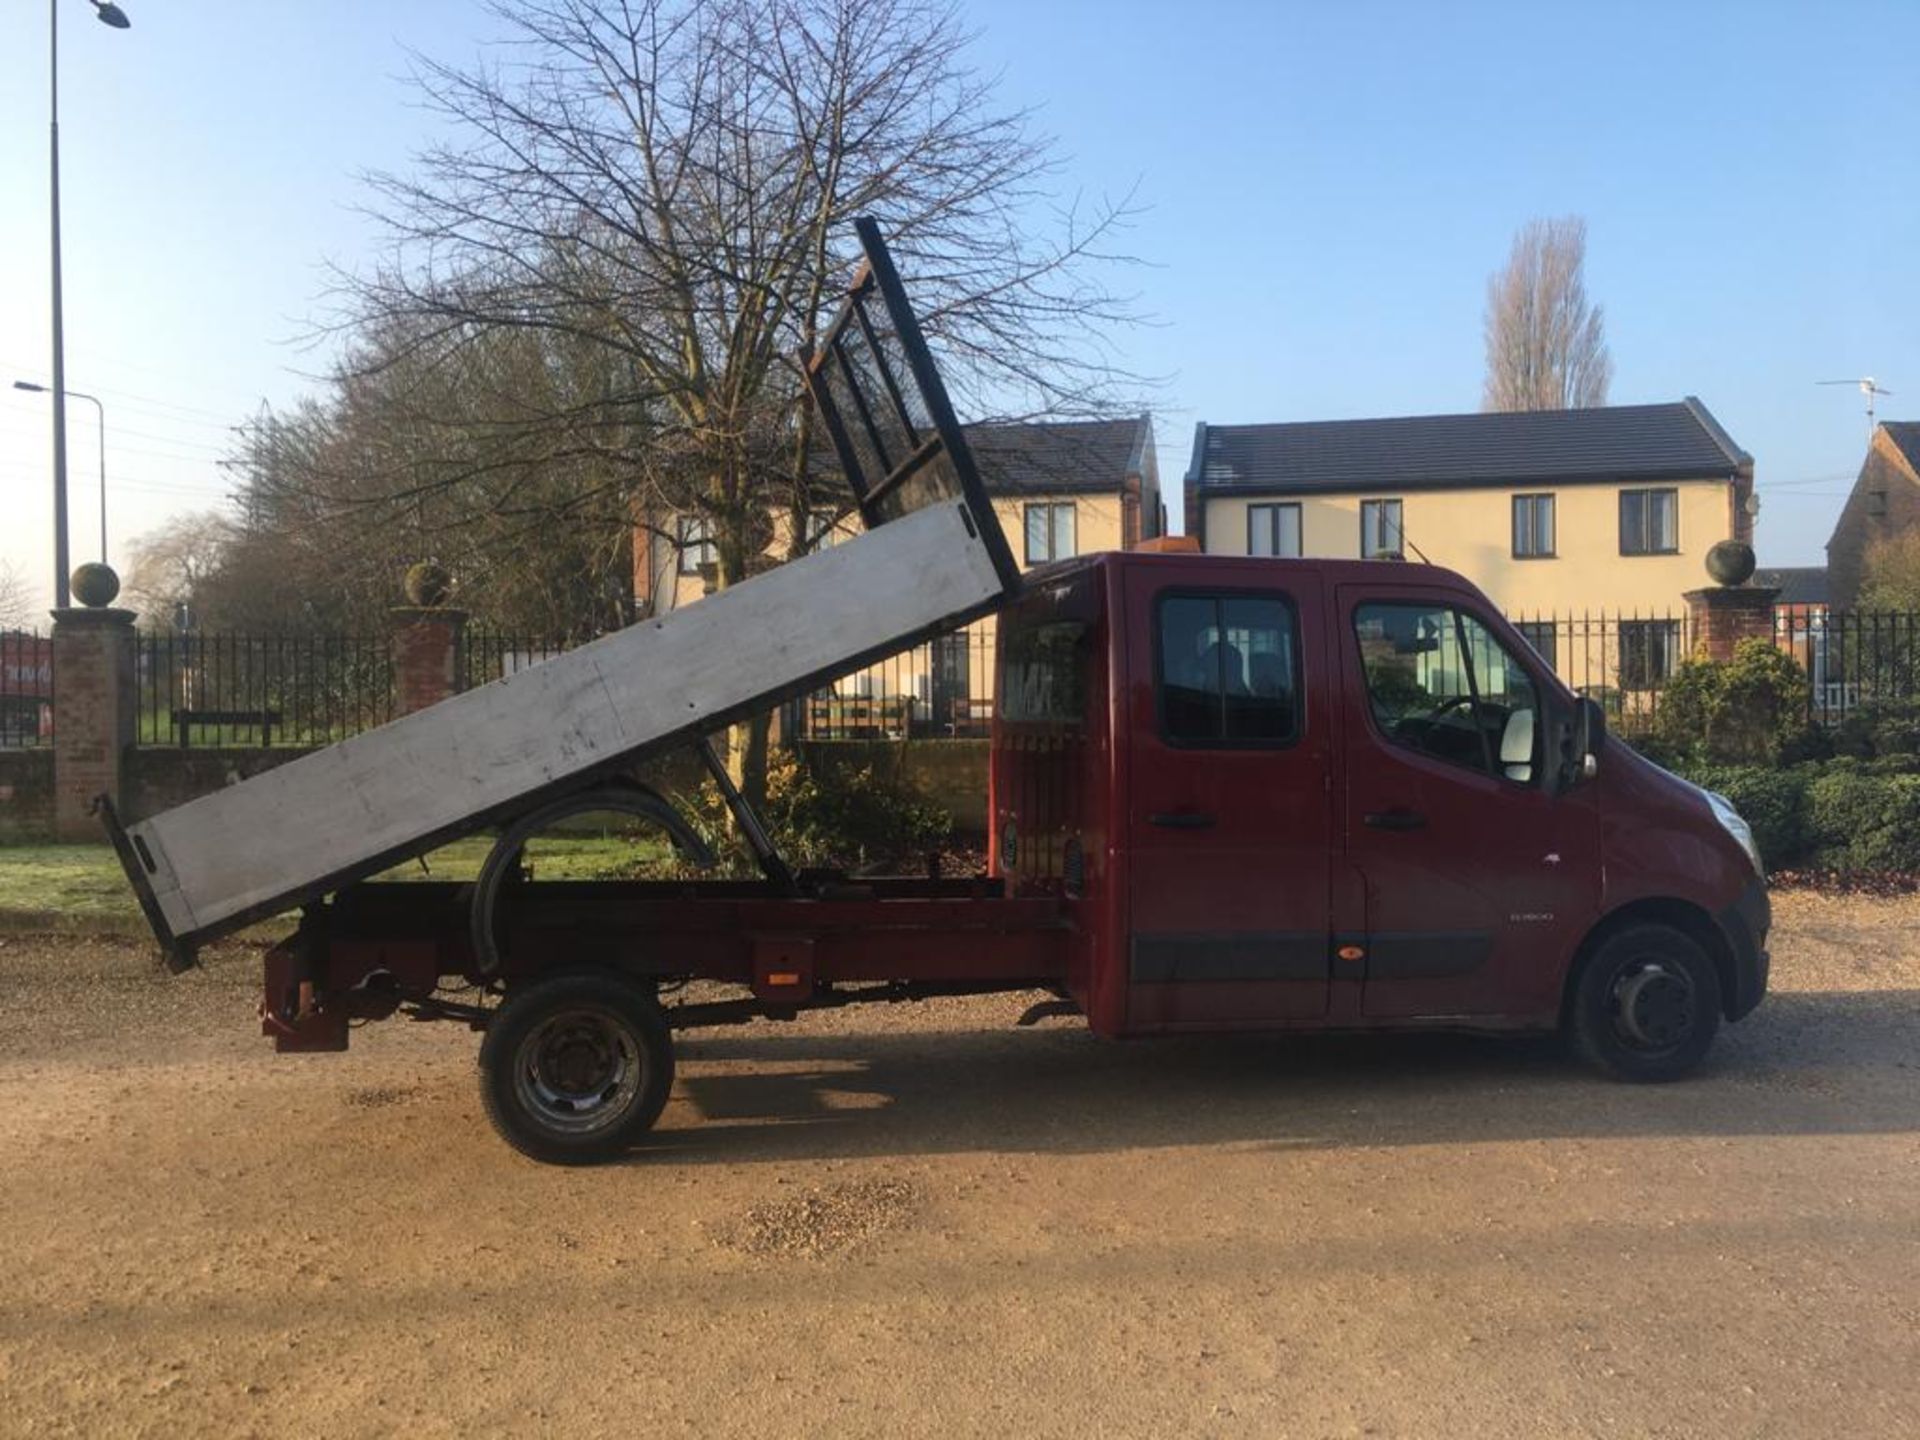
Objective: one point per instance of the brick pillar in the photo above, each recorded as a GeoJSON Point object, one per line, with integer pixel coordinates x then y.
{"type": "Point", "coordinates": [426, 651]}
{"type": "Point", "coordinates": [93, 714]}
{"type": "Point", "coordinates": [1724, 615]}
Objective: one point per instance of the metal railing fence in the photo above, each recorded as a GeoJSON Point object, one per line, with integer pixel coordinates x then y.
{"type": "Point", "coordinates": [213, 690]}
{"type": "Point", "coordinates": [219, 690]}
{"type": "Point", "coordinates": [941, 690]}
{"type": "Point", "coordinates": [26, 689]}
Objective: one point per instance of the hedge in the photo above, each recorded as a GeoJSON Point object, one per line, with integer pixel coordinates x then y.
{"type": "Point", "coordinates": [1835, 815]}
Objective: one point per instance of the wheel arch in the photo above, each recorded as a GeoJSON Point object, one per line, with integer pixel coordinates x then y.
{"type": "Point", "coordinates": [1669, 910]}
{"type": "Point", "coordinates": [620, 795]}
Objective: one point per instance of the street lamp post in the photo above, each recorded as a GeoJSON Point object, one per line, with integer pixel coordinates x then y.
{"type": "Point", "coordinates": [101, 411]}
{"type": "Point", "coordinates": [108, 14]}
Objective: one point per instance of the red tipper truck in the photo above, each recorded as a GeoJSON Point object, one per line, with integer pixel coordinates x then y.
{"type": "Point", "coordinates": [1226, 794]}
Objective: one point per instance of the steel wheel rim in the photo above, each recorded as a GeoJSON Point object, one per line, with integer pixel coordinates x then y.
{"type": "Point", "coordinates": [578, 1072]}
{"type": "Point", "coordinates": [1654, 1005]}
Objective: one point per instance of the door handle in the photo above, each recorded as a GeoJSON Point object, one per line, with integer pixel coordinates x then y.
{"type": "Point", "coordinates": [1182, 820]}
{"type": "Point", "coordinates": [1398, 818]}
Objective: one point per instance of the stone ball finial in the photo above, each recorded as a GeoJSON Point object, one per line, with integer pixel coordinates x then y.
{"type": "Point", "coordinates": [94, 584]}
{"type": "Point", "coordinates": [428, 584]}
{"type": "Point", "coordinates": [1730, 562]}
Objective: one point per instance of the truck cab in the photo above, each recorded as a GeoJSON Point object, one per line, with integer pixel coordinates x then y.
{"type": "Point", "coordinates": [1301, 794]}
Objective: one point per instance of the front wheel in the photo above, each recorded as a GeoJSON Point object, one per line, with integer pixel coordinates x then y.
{"type": "Point", "coordinates": [1645, 1005]}
{"type": "Point", "coordinates": [576, 1068]}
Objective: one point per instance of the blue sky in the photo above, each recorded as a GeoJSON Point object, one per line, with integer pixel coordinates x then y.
{"type": "Point", "coordinates": [1328, 189]}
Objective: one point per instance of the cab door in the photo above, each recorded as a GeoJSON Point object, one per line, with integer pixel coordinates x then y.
{"type": "Point", "coordinates": [1476, 879]}
{"type": "Point", "coordinates": [1229, 809]}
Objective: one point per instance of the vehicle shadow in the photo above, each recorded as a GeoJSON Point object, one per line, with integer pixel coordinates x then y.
{"type": "Point", "coordinates": [1813, 1063]}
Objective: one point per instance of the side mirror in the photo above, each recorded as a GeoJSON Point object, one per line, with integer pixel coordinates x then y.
{"type": "Point", "coordinates": [1582, 736]}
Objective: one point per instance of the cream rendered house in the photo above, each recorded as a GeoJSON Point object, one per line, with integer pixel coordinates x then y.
{"type": "Point", "coordinates": [1556, 514]}
{"type": "Point", "coordinates": [1060, 489]}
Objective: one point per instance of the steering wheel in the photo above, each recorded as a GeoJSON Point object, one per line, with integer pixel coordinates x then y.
{"type": "Point", "coordinates": [1419, 730]}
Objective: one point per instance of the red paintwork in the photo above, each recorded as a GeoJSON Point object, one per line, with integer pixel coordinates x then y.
{"type": "Point", "coordinates": [1081, 873]}
{"type": "Point", "coordinates": [1288, 850]}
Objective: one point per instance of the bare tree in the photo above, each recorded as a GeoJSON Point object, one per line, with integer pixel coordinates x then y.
{"type": "Point", "coordinates": [1546, 346]}
{"type": "Point", "coordinates": [446, 451]}
{"type": "Point", "coordinates": [171, 564]}
{"type": "Point", "coordinates": [16, 602]}
{"type": "Point", "coordinates": [670, 185]}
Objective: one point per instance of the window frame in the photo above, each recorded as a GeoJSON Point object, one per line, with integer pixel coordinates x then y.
{"type": "Point", "coordinates": [1052, 509]}
{"type": "Point", "coordinates": [1671, 643]}
{"type": "Point", "coordinates": [692, 553]}
{"type": "Point", "coordinates": [1399, 550]}
{"type": "Point", "coordinates": [823, 530]}
{"type": "Point", "coordinates": [1460, 612]}
{"type": "Point", "coordinates": [1530, 501]}
{"type": "Point", "coordinates": [1550, 627]}
{"type": "Point", "coordinates": [1643, 491]}
{"type": "Point", "coordinates": [1192, 592]}
{"type": "Point", "coordinates": [1272, 509]}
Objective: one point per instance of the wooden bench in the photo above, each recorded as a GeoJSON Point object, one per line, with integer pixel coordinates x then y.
{"type": "Point", "coordinates": [261, 720]}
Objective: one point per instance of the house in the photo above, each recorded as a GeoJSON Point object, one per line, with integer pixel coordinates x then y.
{"type": "Point", "coordinates": [1552, 512]}
{"type": "Point", "coordinates": [1800, 615]}
{"type": "Point", "coordinates": [1885, 502]}
{"type": "Point", "coordinates": [1059, 489]}
{"type": "Point", "coordinates": [1547, 511]}
{"type": "Point", "coordinates": [1803, 588]}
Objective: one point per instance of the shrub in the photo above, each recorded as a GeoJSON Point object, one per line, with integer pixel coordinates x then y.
{"type": "Point", "coordinates": [850, 818]}
{"type": "Point", "coordinates": [1773, 802]}
{"type": "Point", "coordinates": [1743, 711]}
{"type": "Point", "coordinates": [1859, 820]}
{"type": "Point", "coordinates": [1880, 728]}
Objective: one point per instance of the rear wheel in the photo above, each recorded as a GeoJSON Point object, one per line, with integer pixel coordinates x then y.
{"type": "Point", "coordinates": [576, 1068]}
{"type": "Point", "coordinates": [1645, 1005]}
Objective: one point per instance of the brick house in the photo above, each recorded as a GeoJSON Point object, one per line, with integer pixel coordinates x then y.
{"type": "Point", "coordinates": [1885, 502]}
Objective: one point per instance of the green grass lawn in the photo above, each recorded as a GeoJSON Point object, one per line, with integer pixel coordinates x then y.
{"type": "Point", "coordinates": [81, 887]}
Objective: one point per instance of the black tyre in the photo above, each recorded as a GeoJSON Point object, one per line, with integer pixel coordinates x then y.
{"type": "Point", "coordinates": [1645, 1005]}
{"type": "Point", "coordinates": [576, 1068]}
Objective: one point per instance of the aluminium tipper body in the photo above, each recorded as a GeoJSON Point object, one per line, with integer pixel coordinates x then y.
{"type": "Point", "coordinates": [308, 827]}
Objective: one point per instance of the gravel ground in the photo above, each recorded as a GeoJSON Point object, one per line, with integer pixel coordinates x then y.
{"type": "Point", "coordinates": [919, 1221]}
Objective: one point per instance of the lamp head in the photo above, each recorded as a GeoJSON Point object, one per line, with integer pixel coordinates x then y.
{"type": "Point", "coordinates": [29, 385]}
{"type": "Point", "coordinates": [110, 14]}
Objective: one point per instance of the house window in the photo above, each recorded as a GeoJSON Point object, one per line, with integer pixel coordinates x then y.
{"type": "Point", "coordinates": [1649, 522]}
{"type": "Point", "coordinates": [1533, 527]}
{"type": "Point", "coordinates": [1381, 534]}
{"type": "Point", "coordinates": [1228, 670]}
{"type": "Point", "coordinates": [822, 530]}
{"type": "Point", "coordinates": [1649, 653]}
{"type": "Point", "coordinates": [1050, 533]}
{"type": "Point", "coordinates": [696, 544]}
{"type": "Point", "coordinates": [1274, 530]}
{"type": "Point", "coordinates": [1544, 637]}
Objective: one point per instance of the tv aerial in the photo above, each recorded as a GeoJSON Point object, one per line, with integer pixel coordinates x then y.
{"type": "Point", "coordinates": [1867, 387]}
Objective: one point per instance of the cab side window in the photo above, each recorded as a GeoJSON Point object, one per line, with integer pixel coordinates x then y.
{"type": "Point", "coordinates": [1228, 670]}
{"type": "Point", "coordinates": [1441, 683]}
